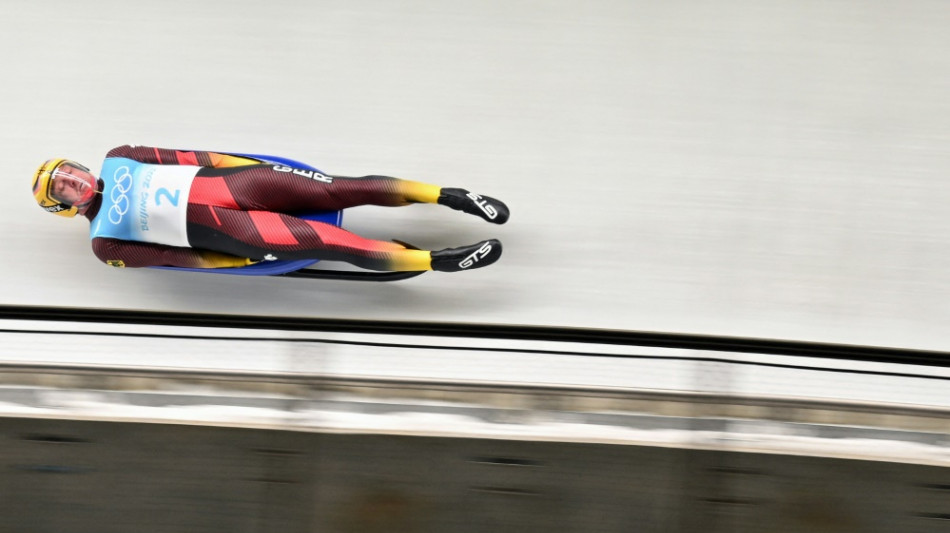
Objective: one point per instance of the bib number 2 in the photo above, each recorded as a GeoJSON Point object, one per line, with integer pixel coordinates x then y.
{"type": "Point", "coordinates": [164, 193]}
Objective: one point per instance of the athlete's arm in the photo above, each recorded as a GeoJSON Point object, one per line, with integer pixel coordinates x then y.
{"type": "Point", "coordinates": [165, 156]}
{"type": "Point", "coordinates": [133, 254]}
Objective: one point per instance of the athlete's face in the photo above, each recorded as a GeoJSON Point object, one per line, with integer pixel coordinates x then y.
{"type": "Point", "coordinates": [72, 185]}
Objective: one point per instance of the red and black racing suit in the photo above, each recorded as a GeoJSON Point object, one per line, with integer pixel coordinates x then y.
{"type": "Point", "coordinates": [240, 209]}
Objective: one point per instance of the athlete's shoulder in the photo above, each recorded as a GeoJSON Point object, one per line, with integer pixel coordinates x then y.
{"type": "Point", "coordinates": [125, 150]}
{"type": "Point", "coordinates": [108, 250]}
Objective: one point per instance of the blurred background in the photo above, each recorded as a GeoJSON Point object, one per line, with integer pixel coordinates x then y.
{"type": "Point", "coordinates": [733, 168]}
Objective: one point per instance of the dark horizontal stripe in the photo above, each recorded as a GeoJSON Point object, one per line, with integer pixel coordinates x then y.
{"type": "Point", "coordinates": [695, 359]}
{"type": "Point", "coordinates": [57, 439]}
{"type": "Point", "coordinates": [493, 331]}
{"type": "Point", "coordinates": [505, 461]}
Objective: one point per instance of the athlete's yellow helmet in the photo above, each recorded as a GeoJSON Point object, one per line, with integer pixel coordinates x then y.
{"type": "Point", "coordinates": [45, 194]}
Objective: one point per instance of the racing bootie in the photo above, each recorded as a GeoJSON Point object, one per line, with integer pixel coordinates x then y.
{"type": "Point", "coordinates": [492, 210]}
{"type": "Point", "coordinates": [466, 257]}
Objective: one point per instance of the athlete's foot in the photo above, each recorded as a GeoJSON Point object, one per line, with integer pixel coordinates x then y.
{"type": "Point", "coordinates": [466, 257]}
{"type": "Point", "coordinates": [490, 209]}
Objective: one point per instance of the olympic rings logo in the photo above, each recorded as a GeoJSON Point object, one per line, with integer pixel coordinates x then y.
{"type": "Point", "coordinates": [119, 194]}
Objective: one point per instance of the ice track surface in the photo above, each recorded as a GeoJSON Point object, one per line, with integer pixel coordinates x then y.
{"type": "Point", "coordinates": [741, 168]}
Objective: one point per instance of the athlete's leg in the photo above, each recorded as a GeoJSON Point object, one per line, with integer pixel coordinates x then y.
{"type": "Point", "coordinates": [288, 190]}
{"type": "Point", "coordinates": [262, 234]}
{"type": "Point", "coordinates": [264, 188]}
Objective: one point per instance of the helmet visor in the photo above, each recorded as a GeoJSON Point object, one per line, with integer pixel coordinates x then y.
{"type": "Point", "coordinates": [71, 184]}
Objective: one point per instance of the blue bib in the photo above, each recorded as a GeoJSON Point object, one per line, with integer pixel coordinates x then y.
{"type": "Point", "coordinates": [143, 202]}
